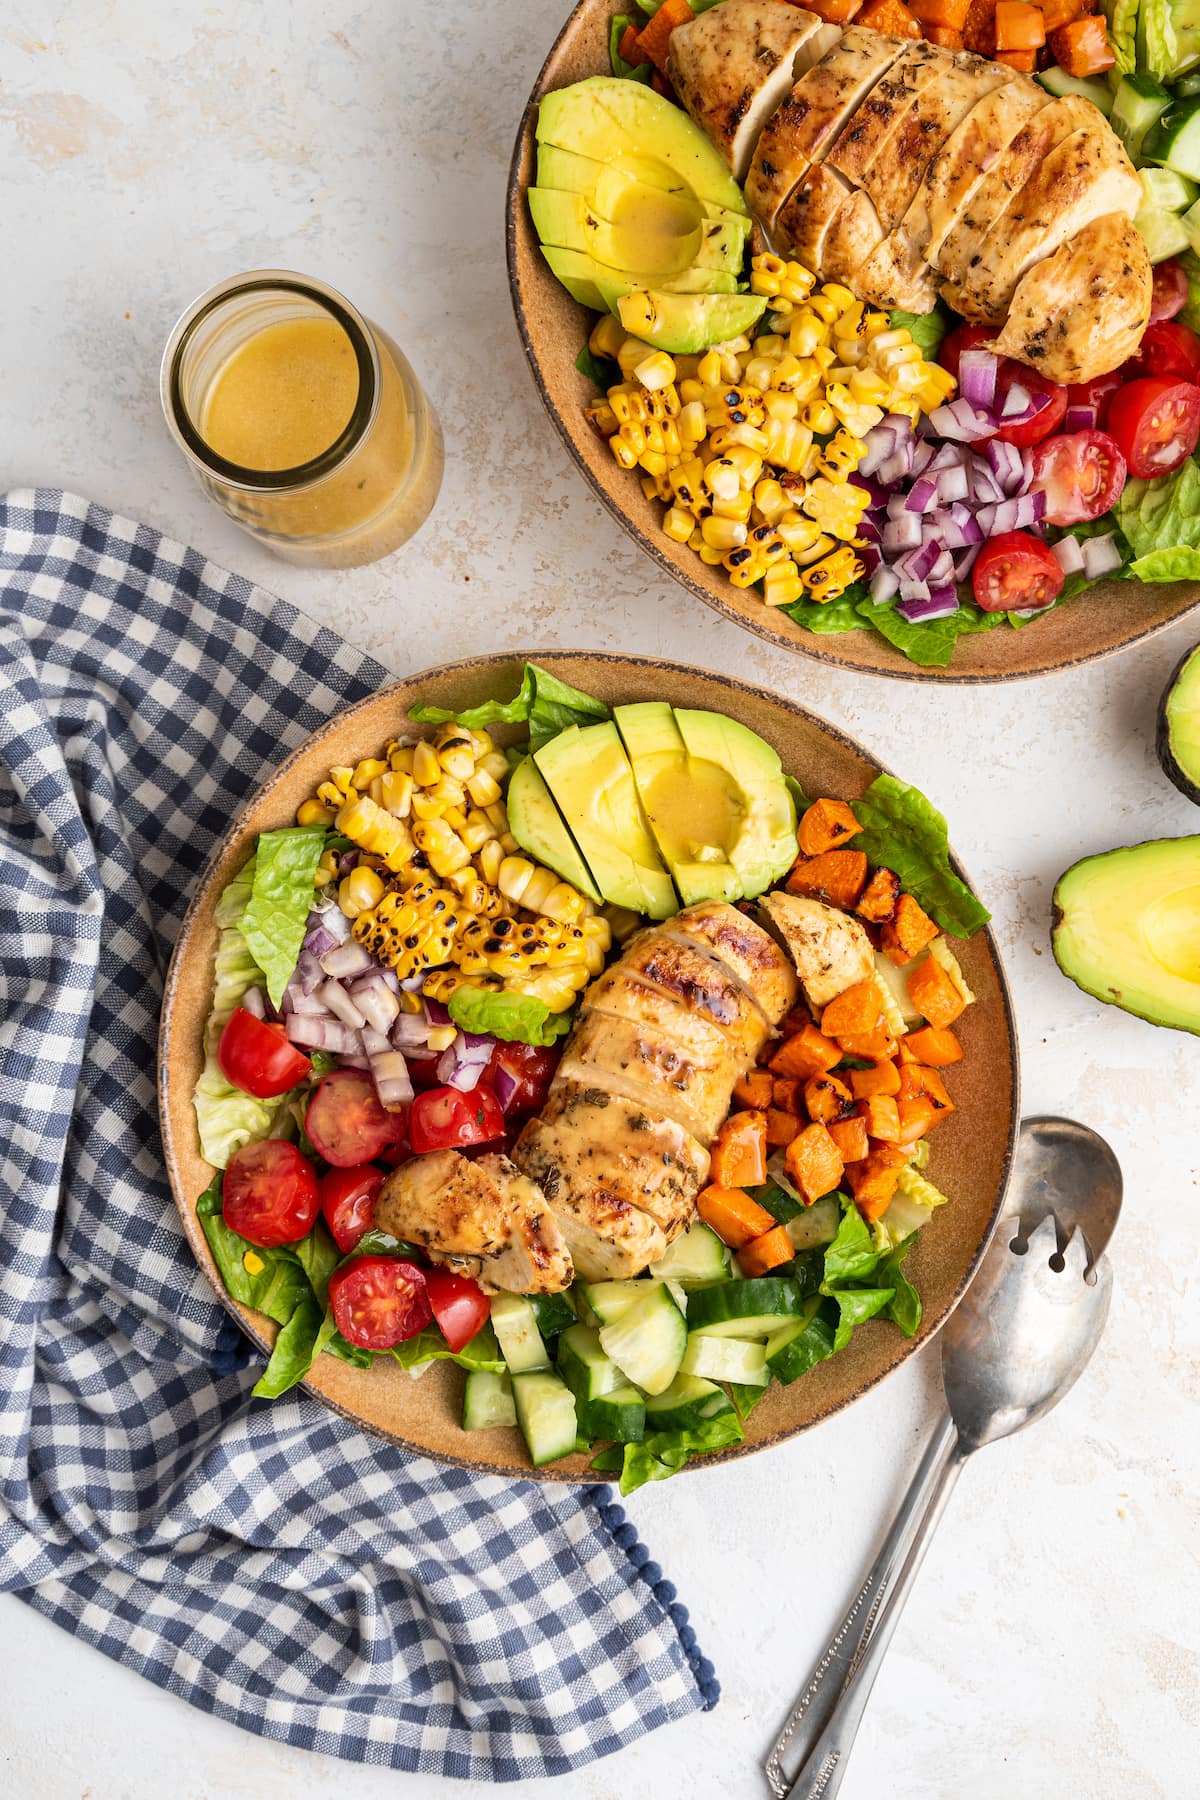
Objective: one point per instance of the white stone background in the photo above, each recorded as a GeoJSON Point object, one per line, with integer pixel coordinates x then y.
{"type": "Point", "coordinates": [1052, 1647]}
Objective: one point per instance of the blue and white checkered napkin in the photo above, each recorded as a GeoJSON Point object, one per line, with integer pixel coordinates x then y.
{"type": "Point", "coordinates": [267, 1561]}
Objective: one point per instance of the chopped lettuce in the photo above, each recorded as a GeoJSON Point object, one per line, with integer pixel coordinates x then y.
{"type": "Point", "coordinates": [855, 1306]}
{"type": "Point", "coordinates": [925, 329]}
{"type": "Point", "coordinates": [1122, 18]}
{"type": "Point", "coordinates": [904, 1309]}
{"type": "Point", "coordinates": [518, 1018]}
{"type": "Point", "coordinates": [274, 1283]}
{"type": "Point", "coordinates": [928, 642]}
{"type": "Point", "coordinates": [616, 31]}
{"type": "Point", "coordinates": [663, 1453]}
{"type": "Point", "coordinates": [601, 371]}
{"type": "Point", "coordinates": [1160, 520]}
{"type": "Point", "coordinates": [273, 923]}
{"type": "Point", "coordinates": [851, 1256]}
{"type": "Point", "coordinates": [542, 701]}
{"type": "Point", "coordinates": [841, 614]}
{"type": "Point", "coordinates": [905, 832]}
{"type": "Point", "coordinates": [483, 1351]}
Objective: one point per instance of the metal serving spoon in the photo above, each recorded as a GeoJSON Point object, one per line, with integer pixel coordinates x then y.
{"type": "Point", "coordinates": [1017, 1343]}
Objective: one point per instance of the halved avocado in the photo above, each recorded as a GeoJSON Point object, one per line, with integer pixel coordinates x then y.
{"type": "Point", "coordinates": [1178, 736]}
{"type": "Point", "coordinates": [1127, 929]}
{"type": "Point", "coordinates": [537, 826]}
{"type": "Point", "coordinates": [691, 808]}
{"type": "Point", "coordinates": [613, 120]}
{"type": "Point", "coordinates": [631, 226]}
{"type": "Point", "coordinates": [600, 288]}
{"type": "Point", "coordinates": [742, 779]}
{"type": "Point", "coordinates": [589, 776]}
{"type": "Point", "coordinates": [688, 323]}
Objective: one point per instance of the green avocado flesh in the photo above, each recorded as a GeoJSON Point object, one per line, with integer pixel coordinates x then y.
{"type": "Point", "coordinates": [1179, 727]}
{"type": "Point", "coordinates": [656, 805]}
{"type": "Point", "coordinates": [1127, 929]}
{"type": "Point", "coordinates": [687, 323]}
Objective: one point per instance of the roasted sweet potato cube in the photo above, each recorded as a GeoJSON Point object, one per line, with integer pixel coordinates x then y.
{"type": "Point", "coordinates": [979, 32]}
{"type": "Point", "coordinates": [754, 1089]}
{"type": "Point", "coordinates": [889, 16]}
{"type": "Point", "coordinates": [814, 1162]}
{"type": "Point", "coordinates": [836, 876]}
{"type": "Point", "coordinates": [937, 1049]}
{"type": "Point", "coordinates": [877, 902]}
{"type": "Point", "coordinates": [782, 1127]}
{"type": "Point", "coordinates": [807, 1052]}
{"type": "Point", "coordinates": [918, 1116]}
{"type": "Point", "coordinates": [850, 1136]}
{"type": "Point", "coordinates": [909, 931]}
{"type": "Point", "coordinates": [826, 826]}
{"type": "Point", "coordinates": [869, 1046]}
{"type": "Point", "coordinates": [880, 1078]}
{"type": "Point", "coordinates": [787, 1094]}
{"type": "Point", "coordinates": [882, 1117]}
{"type": "Point", "coordinates": [827, 1098]}
{"type": "Point", "coordinates": [873, 1181]}
{"type": "Point", "coordinates": [934, 994]}
{"type": "Point", "coordinates": [858, 1008]}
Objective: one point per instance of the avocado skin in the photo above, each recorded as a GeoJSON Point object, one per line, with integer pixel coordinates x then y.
{"type": "Point", "coordinates": [1110, 988]}
{"type": "Point", "coordinates": [1184, 677]}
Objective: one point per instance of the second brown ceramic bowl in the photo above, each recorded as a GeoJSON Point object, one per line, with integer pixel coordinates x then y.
{"type": "Point", "coordinates": [970, 1152]}
{"type": "Point", "coordinates": [554, 329]}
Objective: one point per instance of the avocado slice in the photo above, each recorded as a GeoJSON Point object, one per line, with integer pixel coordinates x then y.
{"type": "Point", "coordinates": [645, 229]}
{"type": "Point", "coordinates": [688, 323]}
{"type": "Point", "coordinates": [1127, 929]}
{"type": "Point", "coordinates": [589, 776]}
{"type": "Point", "coordinates": [600, 288]}
{"type": "Point", "coordinates": [692, 808]}
{"type": "Point", "coordinates": [613, 120]}
{"type": "Point", "coordinates": [535, 822]}
{"type": "Point", "coordinates": [1178, 736]}
{"type": "Point", "coordinates": [764, 847]}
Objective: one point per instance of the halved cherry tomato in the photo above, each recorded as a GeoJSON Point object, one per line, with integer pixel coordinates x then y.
{"type": "Point", "coordinates": [258, 1058]}
{"type": "Point", "coordinates": [1095, 394]}
{"type": "Point", "coordinates": [345, 1121]}
{"type": "Point", "coordinates": [348, 1199]}
{"type": "Point", "coordinates": [445, 1119]}
{"type": "Point", "coordinates": [270, 1195]}
{"type": "Point", "coordinates": [1170, 291]}
{"type": "Point", "coordinates": [379, 1301]}
{"type": "Point", "coordinates": [1156, 422]}
{"type": "Point", "coordinates": [963, 337]}
{"type": "Point", "coordinates": [1167, 348]}
{"type": "Point", "coordinates": [1015, 572]}
{"type": "Point", "coordinates": [422, 1071]}
{"type": "Point", "coordinates": [1081, 474]}
{"type": "Point", "coordinates": [396, 1155]}
{"type": "Point", "coordinates": [522, 1073]}
{"type": "Point", "coordinates": [460, 1306]}
{"type": "Point", "coordinates": [1013, 374]}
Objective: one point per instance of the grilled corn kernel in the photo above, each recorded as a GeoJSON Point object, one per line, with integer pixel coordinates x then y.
{"type": "Point", "coordinates": [601, 417]}
{"type": "Point", "coordinates": [692, 425]}
{"type": "Point", "coordinates": [622, 452]}
{"type": "Point", "coordinates": [721, 478]}
{"type": "Point", "coordinates": [442, 846]}
{"type": "Point", "coordinates": [745, 574]}
{"type": "Point", "coordinates": [806, 333]}
{"type": "Point", "coordinates": [709, 369]}
{"type": "Point", "coordinates": [483, 787]}
{"type": "Point", "coordinates": [607, 336]}
{"type": "Point", "coordinates": [678, 524]}
{"type": "Point", "coordinates": [314, 812]}
{"type": "Point", "coordinates": [366, 824]}
{"type": "Point", "coordinates": [780, 406]}
{"type": "Point", "coordinates": [359, 892]}
{"type": "Point", "coordinates": [826, 579]}
{"type": "Point", "coordinates": [327, 868]}
{"type": "Point", "coordinates": [758, 371]}
{"type": "Point", "coordinates": [655, 371]}
{"type": "Point", "coordinates": [441, 1037]}
{"type": "Point", "coordinates": [455, 752]}
{"type": "Point", "coordinates": [366, 772]}
{"type": "Point", "coordinates": [819, 417]}
{"type": "Point", "coordinates": [475, 830]}
{"type": "Point", "coordinates": [489, 860]}
{"type": "Point", "coordinates": [781, 584]}
{"type": "Point", "coordinates": [252, 1262]}
{"type": "Point", "coordinates": [722, 534]}
{"type": "Point", "coordinates": [770, 500]}
{"type": "Point", "coordinates": [426, 767]}
{"type": "Point", "coordinates": [752, 437]}
{"type": "Point", "coordinates": [766, 272]}
{"type": "Point", "coordinates": [631, 352]}
{"type": "Point", "coordinates": [747, 463]}
{"type": "Point", "coordinates": [737, 508]}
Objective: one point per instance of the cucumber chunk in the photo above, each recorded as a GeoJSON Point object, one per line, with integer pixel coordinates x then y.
{"type": "Point", "coordinates": [583, 1365]}
{"type": "Point", "coordinates": [515, 1325]}
{"type": "Point", "coordinates": [619, 1416]}
{"type": "Point", "coordinates": [647, 1342]}
{"type": "Point", "coordinates": [487, 1401]}
{"type": "Point", "coordinates": [608, 1300]}
{"type": "Point", "coordinates": [1139, 103]}
{"type": "Point", "coordinates": [697, 1257]}
{"type": "Point", "coordinates": [546, 1414]}
{"type": "Point", "coordinates": [689, 1401]}
{"type": "Point", "coordinates": [1163, 233]}
{"type": "Point", "coordinates": [1174, 140]}
{"type": "Point", "coordinates": [817, 1224]}
{"type": "Point", "coordinates": [1056, 81]}
{"type": "Point", "coordinates": [749, 1308]}
{"type": "Point", "coordinates": [552, 1312]}
{"type": "Point", "coordinates": [1166, 190]}
{"type": "Point", "coordinates": [726, 1359]}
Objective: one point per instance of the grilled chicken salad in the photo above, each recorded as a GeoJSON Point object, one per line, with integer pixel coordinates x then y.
{"type": "Point", "coordinates": [604, 1066]}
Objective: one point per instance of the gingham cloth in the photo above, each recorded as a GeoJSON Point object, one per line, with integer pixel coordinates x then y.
{"type": "Point", "coordinates": [264, 1560]}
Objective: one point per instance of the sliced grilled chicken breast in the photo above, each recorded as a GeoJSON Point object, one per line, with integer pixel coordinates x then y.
{"type": "Point", "coordinates": [484, 1219]}
{"type": "Point", "coordinates": [682, 972]}
{"type": "Point", "coordinates": [733, 64]}
{"type": "Point", "coordinates": [880, 114]}
{"type": "Point", "coordinates": [745, 949]}
{"type": "Point", "coordinates": [854, 232]}
{"type": "Point", "coordinates": [646, 1066]}
{"type": "Point", "coordinates": [622, 996]}
{"type": "Point", "coordinates": [893, 177]}
{"type": "Point", "coordinates": [806, 215]}
{"type": "Point", "coordinates": [1082, 311]}
{"type": "Point", "coordinates": [809, 120]}
{"type": "Point", "coordinates": [831, 950]}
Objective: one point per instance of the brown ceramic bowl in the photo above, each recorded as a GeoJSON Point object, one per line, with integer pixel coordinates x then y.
{"type": "Point", "coordinates": [554, 328]}
{"type": "Point", "coordinates": [970, 1153]}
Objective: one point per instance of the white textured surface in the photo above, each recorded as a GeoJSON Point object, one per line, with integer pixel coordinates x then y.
{"type": "Point", "coordinates": [149, 147]}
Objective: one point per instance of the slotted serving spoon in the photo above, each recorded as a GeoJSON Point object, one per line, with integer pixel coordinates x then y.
{"type": "Point", "coordinates": [1019, 1341]}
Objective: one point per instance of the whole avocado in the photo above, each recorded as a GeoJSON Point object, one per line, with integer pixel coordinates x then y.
{"type": "Point", "coordinates": [1177, 738]}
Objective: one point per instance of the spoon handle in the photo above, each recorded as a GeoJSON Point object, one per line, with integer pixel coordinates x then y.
{"type": "Point", "coordinates": [842, 1654]}
{"type": "Point", "coordinates": [821, 1776]}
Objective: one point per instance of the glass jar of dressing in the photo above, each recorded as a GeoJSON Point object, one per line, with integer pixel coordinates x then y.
{"type": "Point", "coordinates": [301, 419]}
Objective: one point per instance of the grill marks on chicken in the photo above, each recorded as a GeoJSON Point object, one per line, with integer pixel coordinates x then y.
{"type": "Point", "coordinates": [905, 170]}
{"type": "Point", "coordinates": [485, 1219]}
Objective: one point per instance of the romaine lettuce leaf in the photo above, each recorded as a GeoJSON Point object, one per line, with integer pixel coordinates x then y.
{"type": "Point", "coordinates": [547, 704]}
{"type": "Point", "coordinates": [1160, 520]}
{"type": "Point", "coordinates": [851, 1256]}
{"type": "Point", "coordinates": [842, 614]}
{"type": "Point", "coordinates": [285, 863]}
{"type": "Point", "coordinates": [1122, 16]}
{"type": "Point", "coordinates": [664, 1453]}
{"type": "Point", "coordinates": [855, 1306]}
{"type": "Point", "coordinates": [904, 1309]}
{"type": "Point", "coordinates": [483, 1351]}
{"type": "Point", "coordinates": [294, 1350]}
{"type": "Point", "coordinates": [519, 1018]}
{"type": "Point", "coordinates": [902, 830]}
{"type": "Point", "coordinates": [925, 329]}
{"type": "Point", "coordinates": [929, 643]}
{"type": "Point", "coordinates": [618, 26]}
{"type": "Point", "coordinates": [601, 371]}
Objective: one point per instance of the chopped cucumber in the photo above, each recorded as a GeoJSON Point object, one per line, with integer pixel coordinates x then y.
{"type": "Point", "coordinates": [1167, 190]}
{"type": "Point", "coordinates": [726, 1359]}
{"type": "Point", "coordinates": [698, 1256]}
{"type": "Point", "coordinates": [515, 1324]}
{"type": "Point", "coordinates": [778, 1200]}
{"type": "Point", "coordinates": [751, 1308]}
{"type": "Point", "coordinates": [647, 1342]}
{"type": "Point", "coordinates": [1056, 81]}
{"type": "Point", "coordinates": [817, 1224]}
{"type": "Point", "coordinates": [619, 1416]}
{"type": "Point", "coordinates": [1140, 102]}
{"type": "Point", "coordinates": [1163, 233]}
{"type": "Point", "coordinates": [487, 1401]}
{"type": "Point", "coordinates": [553, 1313]}
{"type": "Point", "coordinates": [583, 1365]}
{"type": "Point", "coordinates": [689, 1401]}
{"type": "Point", "coordinates": [1174, 140]}
{"type": "Point", "coordinates": [795, 1347]}
{"type": "Point", "coordinates": [546, 1414]}
{"type": "Point", "coordinates": [608, 1300]}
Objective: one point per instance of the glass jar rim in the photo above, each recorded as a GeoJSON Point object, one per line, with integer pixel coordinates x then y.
{"type": "Point", "coordinates": [179, 420]}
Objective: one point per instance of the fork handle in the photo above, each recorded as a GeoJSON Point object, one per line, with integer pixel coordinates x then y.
{"type": "Point", "coordinates": [842, 1654]}
{"type": "Point", "coordinates": [821, 1776]}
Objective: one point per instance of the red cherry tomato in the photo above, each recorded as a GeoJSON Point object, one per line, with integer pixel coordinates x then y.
{"type": "Point", "coordinates": [348, 1199]}
{"type": "Point", "coordinates": [1081, 475]}
{"type": "Point", "coordinates": [1170, 291]}
{"type": "Point", "coordinates": [258, 1058]}
{"type": "Point", "coordinates": [445, 1119]}
{"type": "Point", "coordinates": [1015, 572]}
{"type": "Point", "coordinates": [963, 337]}
{"type": "Point", "coordinates": [270, 1194]}
{"type": "Point", "coordinates": [1168, 348]}
{"type": "Point", "coordinates": [460, 1306]}
{"type": "Point", "coordinates": [345, 1122]}
{"type": "Point", "coordinates": [1095, 394]}
{"type": "Point", "coordinates": [422, 1071]}
{"type": "Point", "coordinates": [1156, 422]}
{"type": "Point", "coordinates": [530, 1067]}
{"type": "Point", "coordinates": [396, 1155]}
{"type": "Point", "coordinates": [1014, 374]}
{"type": "Point", "coordinates": [379, 1301]}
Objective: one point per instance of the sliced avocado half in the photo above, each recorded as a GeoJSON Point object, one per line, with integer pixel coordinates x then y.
{"type": "Point", "coordinates": [691, 814]}
{"type": "Point", "coordinates": [536, 824]}
{"type": "Point", "coordinates": [764, 847]}
{"type": "Point", "coordinates": [644, 229]}
{"type": "Point", "coordinates": [610, 119]}
{"type": "Point", "coordinates": [588, 774]}
{"type": "Point", "coordinates": [688, 323]}
{"type": "Point", "coordinates": [1178, 737]}
{"type": "Point", "coordinates": [600, 288]}
{"type": "Point", "coordinates": [1127, 929]}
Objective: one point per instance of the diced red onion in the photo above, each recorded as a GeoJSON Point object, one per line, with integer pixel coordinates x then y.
{"type": "Point", "coordinates": [410, 1033]}
{"type": "Point", "coordinates": [348, 860]}
{"type": "Point", "coordinates": [901, 534]}
{"type": "Point", "coordinates": [375, 1000]}
{"type": "Point", "coordinates": [389, 977]}
{"type": "Point", "coordinates": [961, 422]}
{"type": "Point", "coordinates": [356, 1062]}
{"type": "Point", "coordinates": [888, 442]}
{"type": "Point", "coordinates": [1007, 465]}
{"type": "Point", "coordinates": [977, 377]}
{"type": "Point", "coordinates": [346, 960]}
{"type": "Point", "coordinates": [393, 1084]}
{"type": "Point", "coordinates": [414, 983]}
{"type": "Point", "coordinates": [875, 489]}
{"type": "Point", "coordinates": [322, 1034]}
{"type": "Point", "coordinates": [1100, 555]}
{"type": "Point", "coordinates": [332, 919]}
{"type": "Point", "coordinates": [946, 456]}
{"type": "Point", "coordinates": [985, 489]}
{"type": "Point", "coordinates": [436, 1013]}
{"type": "Point", "coordinates": [922, 495]}
{"type": "Point", "coordinates": [308, 973]}
{"type": "Point", "coordinates": [1020, 406]}
{"type": "Point", "coordinates": [1012, 515]}
{"type": "Point", "coordinates": [939, 605]}
{"type": "Point", "coordinates": [922, 457]}
{"type": "Point", "coordinates": [340, 1004]}
{"type": "Point", "coordinates": [1080, 418]}
{"type": "Point", "coordinates": [965, 563]}
{"type": "Point", "coordinates": [374, 1043]}
{"type": "Point", "coordinates": [1068, 554]}
{"type": "Point", "coordinates": [919, 563]}
{"type": "Point", "coordinates": [464, 1062]}
{"type": "Point", "coordinates": [307, 1005]}
{"type": "Point", "coordinates": [505, 1085]}
{"type": "Point", "coordinates": [320, 941]}
{"type": "Point", "coordinates": [885, 585]}
{"type": "Point", "coordinates": [254, 1001]}
{"type": "Point", "coordinates": [952, 484]}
